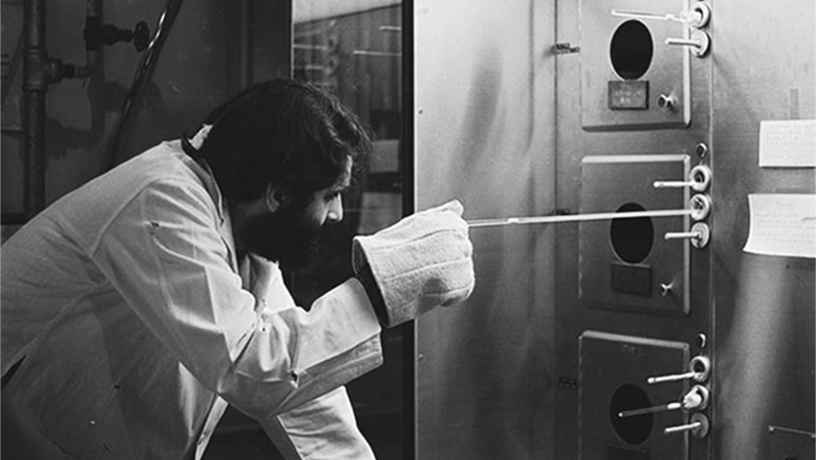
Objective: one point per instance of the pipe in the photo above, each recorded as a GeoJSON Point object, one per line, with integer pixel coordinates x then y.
{"type": "Point", "coordinates": [91, 49]}
{"type": "Point", "coordinates": [35, 84]}
{"type": "Point", "coordinates": [40, 71]}
{"type": "Point", "coordinates": [144, 72]}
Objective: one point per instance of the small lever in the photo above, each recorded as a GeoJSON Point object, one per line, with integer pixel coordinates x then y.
{"type": "Point", "coordinates": [698, 17]}
{"type": "Point", "coordinates": [672, 378]}
{"type": "Point", "coordinates": [699, 235]}
{"type": "Point", "coordinates": [696, 398]}
{"type": "Point", "coordinates": [700, 368]}
{"type": "Point", "coordinates": [699, 42]}
{"type": "Point", "coordinates": [699, 178]}
{"type": "Point", "coordinates": [698, 426]}
{"type": "Point", "coordinates": [650, 410]}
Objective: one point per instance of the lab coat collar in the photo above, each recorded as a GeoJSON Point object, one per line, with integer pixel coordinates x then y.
{"type": "Point", "coordinates": [202, 170]}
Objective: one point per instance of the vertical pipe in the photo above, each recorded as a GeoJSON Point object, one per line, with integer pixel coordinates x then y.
{"type": "Point", "coordinates": [92, 14]}
{"type": "Point", "coordinates": [408, 207]}
{"type": "Point", "coordinates": [34, 86]}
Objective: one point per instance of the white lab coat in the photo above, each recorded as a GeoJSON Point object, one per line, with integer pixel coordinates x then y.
{"type": "Point", "coordinates": [135, 325]}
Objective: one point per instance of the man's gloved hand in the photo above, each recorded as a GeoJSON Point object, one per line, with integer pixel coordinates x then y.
{"type": "Point", "coordinates": [421, 262]}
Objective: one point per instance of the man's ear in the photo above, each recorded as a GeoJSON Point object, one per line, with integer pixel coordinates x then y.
{"type": "Point", "coordinates": [275, 198]}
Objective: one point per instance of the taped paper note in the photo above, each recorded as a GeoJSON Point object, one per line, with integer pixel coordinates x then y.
{"type": "Point", "coordinates": [782, 225]}
{"type": "Point", "coordinates": [787, 143]}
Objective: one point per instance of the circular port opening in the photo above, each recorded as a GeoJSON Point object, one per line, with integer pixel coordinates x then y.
{"type": "Point", "coordinates": [634, 429]}
{"type": "Point", "coordinates": [632, 238]}
{"type": "Point", "coordinates": [631, 50]}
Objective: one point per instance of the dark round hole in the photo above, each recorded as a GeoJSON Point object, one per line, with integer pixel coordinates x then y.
{"type": "Point", "coordinates": [635, 429]}
{"type": "Point", "coordinates": [631, 50]}
{"type": "Point", "coordinates": [632, 238]}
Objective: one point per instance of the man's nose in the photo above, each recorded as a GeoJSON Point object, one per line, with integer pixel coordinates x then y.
{"type": "Point", "coordinates": [335, 214]}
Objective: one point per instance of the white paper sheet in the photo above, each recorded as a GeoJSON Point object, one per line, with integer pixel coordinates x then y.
{"type": "Point", "coordinates": [787, 143]}
{"type": "Point", "coordinates": [782, 225]}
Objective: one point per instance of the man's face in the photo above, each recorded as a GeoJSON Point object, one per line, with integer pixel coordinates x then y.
{"type": "Point", "coordinates": [291, 234]}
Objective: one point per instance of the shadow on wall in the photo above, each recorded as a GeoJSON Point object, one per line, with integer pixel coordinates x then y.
{"type": "Point", "coordinates": [480, 374]}
{"type": "Point", "coordinates": [771, 336]}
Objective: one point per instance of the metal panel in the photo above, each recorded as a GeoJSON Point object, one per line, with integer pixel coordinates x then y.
{"type": "Point", "coordinates": [764, 372]}
{"type": "Point", "coordinates": [616, 137]}
{"type": "Point", "coordinates": [624, 263]}
{"type": "Point", "coordinates": [484, 134]}
{"type": "Point", "coordinates": [627, 58]}
{"type": "Point", "coordinates": [614, 369]}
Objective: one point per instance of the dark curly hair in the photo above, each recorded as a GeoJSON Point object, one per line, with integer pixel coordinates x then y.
{"type": "Point", "coordinates": [280, 132]}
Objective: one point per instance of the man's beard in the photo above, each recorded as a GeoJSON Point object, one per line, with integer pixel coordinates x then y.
{"type": "Point", "coordinates": [289, 236]}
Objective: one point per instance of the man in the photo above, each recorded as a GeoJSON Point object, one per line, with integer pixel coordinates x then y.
{"type": "Point", "coordinates": [135, 308]}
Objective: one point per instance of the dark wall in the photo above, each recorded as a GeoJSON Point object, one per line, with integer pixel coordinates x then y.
{"type": "Point", "coordinates": [212, 50]}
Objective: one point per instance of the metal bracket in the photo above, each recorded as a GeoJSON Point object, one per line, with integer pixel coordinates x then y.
{"type": "Point", "coordinates": [565, 48]}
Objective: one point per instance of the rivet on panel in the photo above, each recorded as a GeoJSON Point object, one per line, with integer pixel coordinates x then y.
{"type": "Point", "coordinates": [701, 149]}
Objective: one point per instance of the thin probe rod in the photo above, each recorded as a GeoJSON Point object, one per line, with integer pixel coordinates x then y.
{"type": "Point", "coordinates": [650, 410]}
{"type": "Point", "coordinates": [478, 223]}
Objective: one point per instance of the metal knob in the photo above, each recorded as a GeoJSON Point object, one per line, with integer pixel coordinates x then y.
{"type": "Point", "coordinates": [700, 206]}
{"type": "Point", "coordinates": [666, 102]}
{"type": "Point", "coordinates": [701, 149]}
{"type": "Point", "coordinates": [697, 398]}
{"type": "Point", "coordinates": [700, 234]}
{"type": "Point", "coordinates": [699, 426]}
{"type": "Point", "coordinates": [664, 289]}
{"type": "Point", "coordinates": [700, 15]}
{"type": "Point", "coordinates": [699, 370]}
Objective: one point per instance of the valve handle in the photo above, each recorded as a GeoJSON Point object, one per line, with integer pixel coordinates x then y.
{"type": "Point", "coordinates": [141, 36]}
{"type": "Point", "coordinates": [700, 42]}
{"type": "Point", "coordinates": [699, 235]}
{"type": "Point", "coordinates": [699, 178]}
{"type": "Point", "coordinates": [700, 368]}
{"type": "Point", "coordinates": [698, 425]}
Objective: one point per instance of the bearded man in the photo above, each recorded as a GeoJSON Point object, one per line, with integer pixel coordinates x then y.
{"type": "Point", "coordinates": [137, 307]}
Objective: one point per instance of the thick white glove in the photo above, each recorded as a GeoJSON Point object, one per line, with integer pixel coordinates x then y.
{"type": "Point", "coordinates": [421, 262]}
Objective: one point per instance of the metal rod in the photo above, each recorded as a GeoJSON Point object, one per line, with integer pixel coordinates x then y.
{"type": "Point", "coordinates": [684, 42]}
{"type": "Point", "coordinates": [671, 378]}
{"type": "Point", "coordinates": [672, 184]}
{"type": "Point", "coordinates": [375, 53]}
{"type": "Point", "coordinates": [679, 428]}
{"type": "Point", "coordinates": [772, 429]}
{"type": "Point", "coordinates": [644, 15]}
{"type": "Point", "coordinates": [650, 410]}
{"type": "Point", "coordinates": [684, 17]}
{"type": "Point", "coordinates": [478, 223]}
{"type": "Point", "coordinates": [681, 235]}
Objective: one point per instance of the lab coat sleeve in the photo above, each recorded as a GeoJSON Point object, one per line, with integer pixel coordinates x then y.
{"type": "Point", "coordinates": [165, 255]}
{"type": "Point", "coordinates": [322, 429]}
